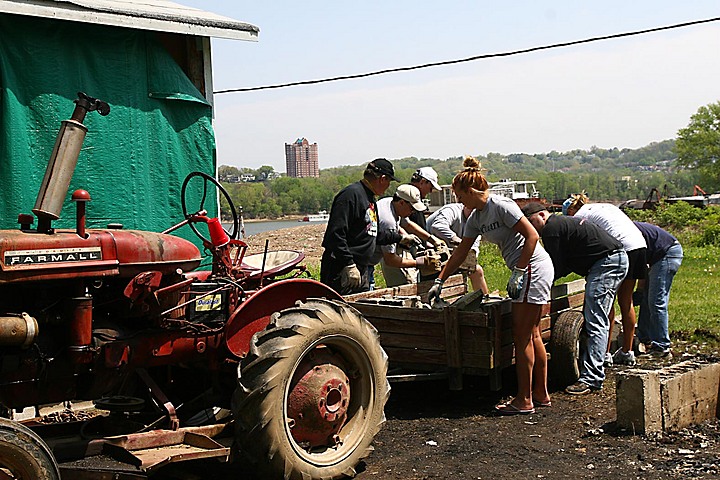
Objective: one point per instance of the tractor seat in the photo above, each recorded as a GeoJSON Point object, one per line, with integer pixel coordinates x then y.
{"type": "Point", "coordinates": [278, 262]}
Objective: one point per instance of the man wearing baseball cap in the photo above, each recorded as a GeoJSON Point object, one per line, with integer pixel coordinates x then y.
{"type": "Point", "coordinates": [426, 180]}
{"type": "Point", "coordinates": [399, 269]}
{"type": "Point", "coordinates": [352, 230]}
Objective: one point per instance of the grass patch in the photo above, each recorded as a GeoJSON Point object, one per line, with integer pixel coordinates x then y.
{"type": "Point", "coordinates": [694, 307]}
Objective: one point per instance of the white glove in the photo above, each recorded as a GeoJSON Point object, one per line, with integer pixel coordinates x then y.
{"type": "Point", "coordinates": [515, 284]}
{"type": "Point", "coordinates": [350, 277]}
{"type": "Point", "coordinates": [435, 290]}
{"type": "Point", "coordinates": [409, 240]}
{"type": "Point", "coordinates": [470, 262]}
{"type": "Point", "coordinates": [436, 242]}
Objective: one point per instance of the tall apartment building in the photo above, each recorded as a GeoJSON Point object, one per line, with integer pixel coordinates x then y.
{"type": "Point", "coordinates": [301, 159]}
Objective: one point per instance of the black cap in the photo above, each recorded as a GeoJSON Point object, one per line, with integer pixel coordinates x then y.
{"type": "Point", "coordinates": [533, 207]}
{"type": "Point", "coordinates": [383, 167]}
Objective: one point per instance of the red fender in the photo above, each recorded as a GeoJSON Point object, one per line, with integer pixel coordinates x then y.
{"type": "Point", "coordinates": [254, 314]}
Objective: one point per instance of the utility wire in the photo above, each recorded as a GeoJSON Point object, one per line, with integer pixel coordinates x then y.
{"type": "Point", "coordinates": [471, 59]}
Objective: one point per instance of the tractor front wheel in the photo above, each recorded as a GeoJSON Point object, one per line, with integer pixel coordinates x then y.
{"type": "Point", "coordinates": [24, 455]}
{"type": "Point", "coordinates": [312, 392]}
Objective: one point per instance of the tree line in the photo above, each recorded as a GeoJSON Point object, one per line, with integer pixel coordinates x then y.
{"type": "Point", "coordinates": [604, 174]}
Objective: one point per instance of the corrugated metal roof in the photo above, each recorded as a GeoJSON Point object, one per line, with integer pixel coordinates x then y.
{"type": "Point", "coordinates": [157, 15]}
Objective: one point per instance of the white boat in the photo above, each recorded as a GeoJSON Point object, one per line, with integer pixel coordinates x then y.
{"type": "Point", "coordinates": [515, 189]}
{"type": "Point", "coordinates": [321, 216]}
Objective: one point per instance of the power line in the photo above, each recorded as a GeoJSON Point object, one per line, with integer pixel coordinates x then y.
{"type": "Point", "coordinates": [471, 59]}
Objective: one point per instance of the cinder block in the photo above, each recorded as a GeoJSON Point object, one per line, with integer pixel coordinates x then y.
{"type": "Point", "coordinates": [667, 399]}
{"type": "Point", "coordinates": [689, 392]}
{"type": "Point", "coordinates": [637, 401]}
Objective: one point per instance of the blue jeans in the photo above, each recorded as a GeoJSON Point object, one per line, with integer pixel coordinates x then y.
{"type": "Point", "coordinates": [601, 284]}
{"type": "Point", "coordinates": [653, 320]}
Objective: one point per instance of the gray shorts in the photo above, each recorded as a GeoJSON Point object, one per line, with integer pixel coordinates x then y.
{"type": "Point", "coordinates": [540, 276]}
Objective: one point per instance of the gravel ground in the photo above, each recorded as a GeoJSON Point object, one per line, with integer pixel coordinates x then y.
{"type": "Point", "coordinates": [306, 239]}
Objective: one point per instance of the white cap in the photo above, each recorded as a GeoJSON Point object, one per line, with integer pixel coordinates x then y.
{"type": "Point", "coordinates": [429, 174]}
{"type": "Point", "coordinates": [411, 194]}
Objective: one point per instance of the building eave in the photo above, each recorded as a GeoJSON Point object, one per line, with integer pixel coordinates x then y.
{"type": "Point", "coordinates": [154, 15]}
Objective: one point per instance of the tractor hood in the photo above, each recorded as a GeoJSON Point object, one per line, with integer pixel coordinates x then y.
{"type": "Point", "coordinates": [31, 256]}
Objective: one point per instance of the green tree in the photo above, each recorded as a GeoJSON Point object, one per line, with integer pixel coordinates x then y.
{"type": "Point", "coordinates": [698, 144]}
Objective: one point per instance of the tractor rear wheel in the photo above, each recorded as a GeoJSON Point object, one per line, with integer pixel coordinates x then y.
{"type": "Point", "coordinates": [24, 455]}
{"type": "Point", "coordinates": [312, 392]}
{"type": "Point", "coordinates": [565, 344]}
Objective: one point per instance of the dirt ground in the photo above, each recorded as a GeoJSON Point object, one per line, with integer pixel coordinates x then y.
{"type": "Point", "coordinates": [434, 433]}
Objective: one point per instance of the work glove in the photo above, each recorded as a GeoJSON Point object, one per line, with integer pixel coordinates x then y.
{"type": "Point", "coordinates": [350, 277]}
{"type": "Point", "coordinates": [435, 290]}
{"type": "Point", "coordinates": [436, 242]}
{"type": "Point", "coordinates": [409, 240]}
{"type": "Point", "coordinates": [515, 284]}
{"type": "Point", "coordinates": [470, 262]}
{"type": "Point", "coordinates": [455, 241]}
{"type": "Point", "coordinates": [429, 263]}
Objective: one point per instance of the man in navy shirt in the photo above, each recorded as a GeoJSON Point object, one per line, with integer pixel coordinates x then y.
{"type": "Point", "coordinates": [579, 246]}
{"type": "Point", "coordinates": [664, 254]}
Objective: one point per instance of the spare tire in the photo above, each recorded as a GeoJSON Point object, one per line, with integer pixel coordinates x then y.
{"type": "Point", "coordinates": [565, 346]}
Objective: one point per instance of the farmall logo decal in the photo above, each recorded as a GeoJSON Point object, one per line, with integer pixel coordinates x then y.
{"type": "Point", "coordinates": [26, 258]}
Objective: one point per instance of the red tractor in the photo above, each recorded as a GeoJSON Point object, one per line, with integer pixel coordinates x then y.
{"type": "Point", "coordinates": [180, 363]}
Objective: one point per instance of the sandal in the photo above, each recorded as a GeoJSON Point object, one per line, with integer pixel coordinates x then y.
{"type": "Point", "coordinates": [510, 409]}
{"type": "Point", "coordinates": [537, 404]}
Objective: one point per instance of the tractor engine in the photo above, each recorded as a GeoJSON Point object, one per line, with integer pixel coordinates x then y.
{"type": "Point", "coordinates": [76, 313]}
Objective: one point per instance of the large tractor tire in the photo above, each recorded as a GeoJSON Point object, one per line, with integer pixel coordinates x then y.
{"type": "Point", "coordinates": [312, 393]}
{"type": "Point", "coordinates": [565, 344]}
{"type": "Point", "coordinates": [24, 455]}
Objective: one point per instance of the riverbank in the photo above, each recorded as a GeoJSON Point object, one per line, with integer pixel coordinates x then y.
{"type": "Point", "coordinates": [304, 238]}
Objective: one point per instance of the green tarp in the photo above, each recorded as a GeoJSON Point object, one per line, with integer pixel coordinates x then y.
{"type": "Point", "coordinates": [134, 160]}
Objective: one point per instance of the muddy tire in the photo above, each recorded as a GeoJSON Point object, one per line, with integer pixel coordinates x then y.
{"type": "Point", "coordinates": [565, 344]}
{"type": "Point", "coordinates": [311, 393]}
{"type": "Point", "coordinates": [24, 455]}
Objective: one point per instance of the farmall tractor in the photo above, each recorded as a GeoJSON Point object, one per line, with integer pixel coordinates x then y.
{"type": "Point", "coordinates": [245, 361]}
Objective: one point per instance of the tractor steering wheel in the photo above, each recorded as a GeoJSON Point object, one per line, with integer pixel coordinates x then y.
{"type": "Point", "coordinates": [207, 178]}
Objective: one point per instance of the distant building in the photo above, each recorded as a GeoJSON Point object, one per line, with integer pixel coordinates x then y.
{"type": "Point", "coordinates": [301, 159]}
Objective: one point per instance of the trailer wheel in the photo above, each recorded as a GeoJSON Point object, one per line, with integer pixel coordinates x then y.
{"type": "Point", "coordinates": [312, 393]}
{"type": "Point", "coordinates": [24, 455]}
{"type": "Point", "coordinates": [565, 344]}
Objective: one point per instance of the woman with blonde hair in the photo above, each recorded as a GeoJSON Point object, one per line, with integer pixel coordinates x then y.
{"type": "Point", "coordinates": [499, 220]}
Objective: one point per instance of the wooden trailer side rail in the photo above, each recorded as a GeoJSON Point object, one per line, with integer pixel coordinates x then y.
{"type": "Point", "coordinates": [471, 335]}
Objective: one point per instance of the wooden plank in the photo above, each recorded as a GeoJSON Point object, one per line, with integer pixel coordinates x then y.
{"type": "Point", "coordinates": [568, 288]}
{"type": "Point", "coordinates": [403, 356]}
{"type": "Point", "coordinates": [371, 311]}
{"type": "Point", "coordinates": [409, 328]}
{"type": "Point", "coordinates": [417, 342]}
{"type": "Point", "coordinates": [452, 346]}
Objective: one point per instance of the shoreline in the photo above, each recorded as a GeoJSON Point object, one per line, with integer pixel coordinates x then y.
{"type": "Point", "coordinates": [287, 218]}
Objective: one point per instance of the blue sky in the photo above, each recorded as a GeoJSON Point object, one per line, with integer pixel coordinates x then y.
{"type": "Point", "coordinates": [618, 93]}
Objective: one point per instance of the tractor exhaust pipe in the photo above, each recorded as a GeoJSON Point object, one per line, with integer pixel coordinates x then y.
{"type": "Point", "coordinates": [60, 169]}
{"type": "Point", "coordinates": [18, 330]}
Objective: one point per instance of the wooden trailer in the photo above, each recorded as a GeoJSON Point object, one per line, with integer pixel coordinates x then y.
{"type": "Point", "coordinates": [470, 335]}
